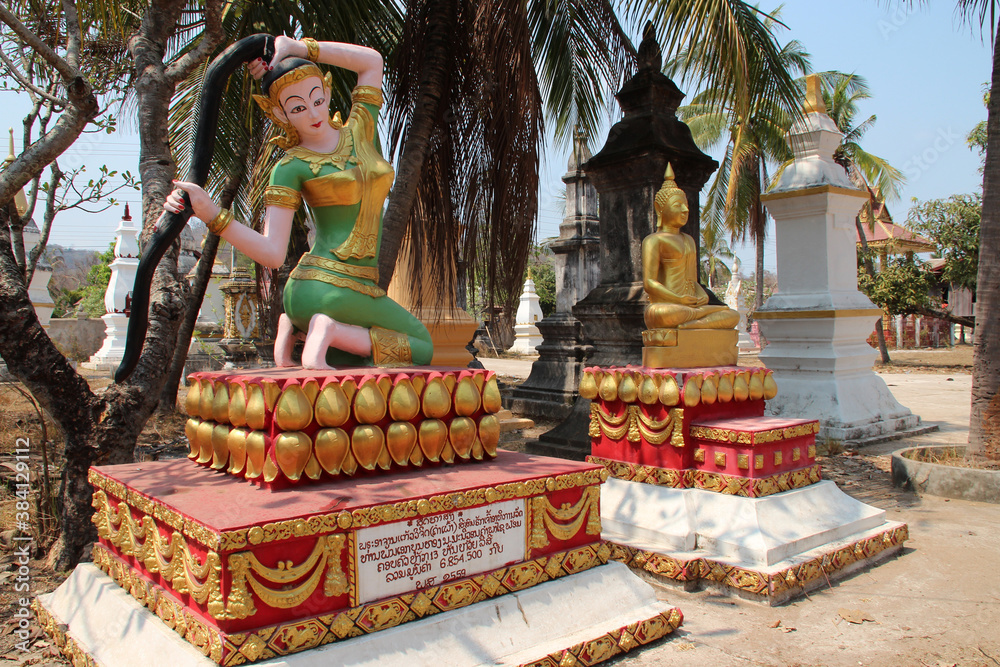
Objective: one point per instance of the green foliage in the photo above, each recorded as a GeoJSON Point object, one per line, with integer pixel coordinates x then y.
{"type": "Point", "coordinates": [953, 225]}
{"type": "Point", "coordinates": [902, 286]}
{"type": "Point", "coordinates": [543, 272]}
{"type": "Point", "coordinates": [90, 295]}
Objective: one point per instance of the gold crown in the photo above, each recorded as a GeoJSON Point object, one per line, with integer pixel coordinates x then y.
{"type": "Point", "coordinates": [271, 100]}
{"type": "Point", "coordinates": [668, 190]}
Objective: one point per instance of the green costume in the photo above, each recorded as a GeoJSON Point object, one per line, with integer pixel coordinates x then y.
{"type": "Point", "coordinates": [338, 277]}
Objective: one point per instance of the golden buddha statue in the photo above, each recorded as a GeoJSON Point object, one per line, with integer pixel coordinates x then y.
{"type": "Point", "coordinates": [677, 302]}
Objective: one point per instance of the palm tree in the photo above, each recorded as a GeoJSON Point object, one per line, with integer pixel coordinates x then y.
{"type": "Point", "coordinates": [714, 250]}
{"type": "Point", "coordinates": [753, 122]}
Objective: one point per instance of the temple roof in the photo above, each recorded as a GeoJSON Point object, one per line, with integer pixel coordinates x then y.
{"type": "Point", "coordinates": [885, 233]}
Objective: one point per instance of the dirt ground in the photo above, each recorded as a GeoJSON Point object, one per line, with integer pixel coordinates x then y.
{"type": "Point", "coordinates": [933, 605]}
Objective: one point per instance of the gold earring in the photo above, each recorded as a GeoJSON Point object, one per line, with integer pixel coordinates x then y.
{"type": "Point", "coordinates": [291, 138]}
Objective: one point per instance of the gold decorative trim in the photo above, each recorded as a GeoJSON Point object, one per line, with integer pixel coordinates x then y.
{"type": "Point", "coordinates": [298, 74]}
{"type": "Point", "coordinates": [283, 197]}
{"type": "Point", "coordinates": [368, 95]}
{"type": "Point", "coordinates": [613, 643]}
{"type": "Point", "coordinates": [710, 481]}
{"type": "Point", "coordinates": [287, 638]}
{"type": "Point", "coordinates": [353, 270]}
{"type": "Point", "coordinates": [753, 581]}
{"type": "Point", "coordinates": [390, 348]}
{"type": "Point", "coordinates": [66, 644]}
{"type": "Point", "coordinates": [730, 436]}
{"type": "Point", "coordinates": [564, 522]}
{"type": "Point", "coordinates": [815, 314]}
{"type": "Point", "coordinates": [312, 48]}
{"type": "Point", "coordinates": [343, 520]}
{"type": "Point", "coordinates": [816, 190]}
{"type": "Point", "coordinates": [637, 426]}
{"type": "Point", "coordinates": [720, 459]}
{"type": "Point", "coordinates": [205, 638]}
{"type": "Point", "coordinates": [315, 274]}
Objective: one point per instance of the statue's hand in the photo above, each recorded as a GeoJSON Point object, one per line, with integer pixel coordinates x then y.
{"type": "Point", "coordinates": [285, 47]}
{"type": "Point", "coordinates": [689, 300]}
{"type": "Point", "coordinates": [204, 208]}
{"type": "Point", "coordinates": [258, 68]}
{"type": "Point", "coordinates": [702, 300]}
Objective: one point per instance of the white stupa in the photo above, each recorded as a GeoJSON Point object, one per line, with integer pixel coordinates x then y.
{"type": "Point", "coordinates": [118, 297]}
{"type": "Point", "coordinates": [527, 337]}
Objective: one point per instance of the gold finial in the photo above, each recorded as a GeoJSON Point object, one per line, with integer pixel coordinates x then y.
{"type": "Point", "coordinates": [814, 95]}
{"type": "Point", "coordinates": [529, 273]}
{"type": "Point", "coordinates": [10, 155]}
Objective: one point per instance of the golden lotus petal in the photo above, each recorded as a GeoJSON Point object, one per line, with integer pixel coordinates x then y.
{"type": "Point", "coordinates": [770, 386]}
{"type": "Point", "coordinates": [237, 444]}
{"type": "Point", "coordinates": [609, 388]}
{"type": "Point", "coordinates": [491, 396]}
{"type": "Point", "coordinates": [670, 394]}
{"type": "Point", "coordinates": [207, 398]}
{"type": "Point", "coordinates": [369, 405]}
{"type": "Point", "coordinates": [220, 446]}
{"type": "Point", "coordinates": [447, 453]}
{"type": "Point", "coordinates": [350, 464]}
{"type": "Point", "coordinates": [450, 381]}
{"type": "Point", "coordinates": [271, 393]}
{"type": "Point", "coordinates": [725, 387]}
{"type": "Point", "coordinates": [367, 442]}
{"type": "Point", "coordinates": [220, 403]}
{"type": "Point", "coordinates": [477, 450]}
{"type": "Point", "coordinates": [479, 379]}
{"type": "Point", "coordinates": [237, 405]}
{"type": "Point", "coordinates": [204, 440]}
{"type": "Point", "coordinates": [437, 399]}
{"type": "Point", "coordinates": [741, 391]}
{"type": "Point", "coordinates": [332, 446]}
{"type": "Point", "coordinates": [270, 470]}
{"type": "Point", "coordinates": [385, 385]}
{"type": "Point", "coordinates": [256, 453]}
{"type": "Point", "coordinates": [293, 411]}
{"type": "Point", "coordinates": [313, 470]}
{"type": "Point", "coordinates": [400, 439]}
{"type": "Point", "coordinates": [588, 386]}
{"type": "Point", "coordinates": [333, 408]}
{"type": "Point", "coordinates": [432, 436]}
{"type": "Point", "coordinates": [756, 386]}
{"type": "Point", "coordinates": [418, 383]}
{"type": "Point", "coordinates": [404, 404]}
{"type": "Point", "coordinates": [461, 434]}
{"type": "Point", "coordinates": [192, 402]}
{"type": "Point", "coordinates": [628, 391]}
{"type": "Point", "coordinates": [467, 398]}
{"type": "Point", "coordinates": [311, 389]}
{"type": "Point", "coordinates": [191, 431]}
{"type": "Point", "coordinates": [292, 451]}
{"type": "Point", "coordinates": [256, 410]}
{"type": "Point", "coordinates": [384, 459]}
{"type": "Point", "coordinates": [416, 457]}
{"type": "Point", "coordinates": [692, 391]}
{"type": "Point", "coordinates": [489, 434]}
{"type": "Point", "coordinates": [709, 390]}
{"type": "Point", "coordinates": [647, 390]}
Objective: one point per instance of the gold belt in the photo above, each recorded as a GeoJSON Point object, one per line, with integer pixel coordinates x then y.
{"type": "Point", "coordinates": [366, 272]}
{"type": "Point", "coordinates": [300, 272]}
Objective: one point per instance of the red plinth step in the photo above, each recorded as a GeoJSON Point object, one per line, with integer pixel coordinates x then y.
{"type": "Point", "coordinates": [699, 427]}
{"type": "Point", "coordinates": [291, 426]}
{"type": "Point", "coordinates": [248, 573]}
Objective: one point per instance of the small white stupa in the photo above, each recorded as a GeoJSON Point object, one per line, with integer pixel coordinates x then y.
{"type": "Point", "coordinates": [733, 300]}
{"type": "Point", "coordinates": [118, 297]}
{"type": "Point", "coordinates": [527, 337]}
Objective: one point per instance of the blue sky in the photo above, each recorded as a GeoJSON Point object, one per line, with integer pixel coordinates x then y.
{"type": "Point", "coordinates": [925, 69]}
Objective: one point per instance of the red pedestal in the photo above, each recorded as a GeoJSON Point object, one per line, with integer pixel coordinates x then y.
{"type": "Point", "coordinates": [247, 573]}
{"type": "Point", "coordinates": [697, 428]}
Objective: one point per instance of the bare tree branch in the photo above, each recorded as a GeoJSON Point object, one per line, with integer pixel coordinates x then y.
{"type": "Point", "coordinates": [33, 41]}
{"type": "Point", "coordinates": [23, 80]}
{"type": "Point", "coordinates": [74, 40]}
{"type": "Point", "coordinates": [210, 38]}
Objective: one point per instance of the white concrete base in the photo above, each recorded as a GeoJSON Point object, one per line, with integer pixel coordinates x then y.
{"type": "Point", "coordinates": [115, 630]}
{"type": "Point", "coordinates": [527, 338]}
{"type": "Point", "coordinates": [110, 355]}
{"type": "Point", "coordinates": [753, 533]}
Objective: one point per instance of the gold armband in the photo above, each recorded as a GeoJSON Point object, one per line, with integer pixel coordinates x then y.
{"type": "Point", "coordinates": [218, 224]}
{"type": "Point", "coordinates": [279, 195]}
{"type": "Point", "coordinates": [367, 94]}
{"type": "Point", "coordinates": [312, 48]}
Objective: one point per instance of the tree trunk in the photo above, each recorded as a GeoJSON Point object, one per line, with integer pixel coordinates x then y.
{"type": "Point", "coordinates": [870, 270]}
{"type": "Point", "coordinates": [984, 423]}
{"type": "Point", "coordinates": [202, 276]}
{"type": "Point", "coordinates": [416, 144]}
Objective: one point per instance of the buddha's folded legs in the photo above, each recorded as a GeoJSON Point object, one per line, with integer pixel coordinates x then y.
{"type": "Point", "coordinates": [677, 316]}
{"type": "Point", "coordinates": [721, 318]}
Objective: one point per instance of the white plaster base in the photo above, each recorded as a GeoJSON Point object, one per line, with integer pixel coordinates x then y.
{"type": "Point", "coordinates": [749, 532]}
{"type": "Point", "coordinates": [115, 630]}
{"type": "Point", "coordinates": [110, 355]}
{"type": "Point", "coordinates": [527, 338]}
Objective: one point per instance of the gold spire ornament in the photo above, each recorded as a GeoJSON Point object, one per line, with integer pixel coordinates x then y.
{"type": "Point", "coordinates": [814, 95]}
{"type": "Point", "coordinates": [20, 201]}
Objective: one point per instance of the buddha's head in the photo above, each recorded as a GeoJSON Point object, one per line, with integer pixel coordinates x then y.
{"type": "Point", "coordinates": [297, 98]}
{"type": "Point", "coordinates": [671, 203]}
